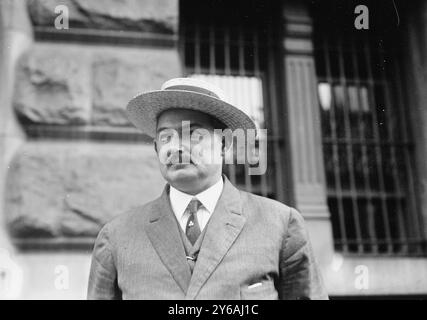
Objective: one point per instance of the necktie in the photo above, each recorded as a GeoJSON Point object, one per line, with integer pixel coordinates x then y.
{"type": "Point", "coordinates": [192, 229]}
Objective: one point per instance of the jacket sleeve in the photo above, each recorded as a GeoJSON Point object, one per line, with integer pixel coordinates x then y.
{"type": "Point", "coordinates": [103, 274]}
{"type": "Point", "coordinates": [300, 276]}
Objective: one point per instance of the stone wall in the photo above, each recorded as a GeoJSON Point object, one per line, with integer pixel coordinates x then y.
{"type": "Point", "coordinates": [71, 188]}
{"type": "Point", "coordinates": [15, 38]}
{"type": "Point", "coordinates": [159, 16]}
{"type": "Point", "coordinates": [83, 163]}
{"type": "Point", "coordinates": [73, 84]}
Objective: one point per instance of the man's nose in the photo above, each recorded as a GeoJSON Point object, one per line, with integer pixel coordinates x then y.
{"type": "Point", "coordinates": [179, 144]}
{"type": "Point", "coordinates": [174, 150]}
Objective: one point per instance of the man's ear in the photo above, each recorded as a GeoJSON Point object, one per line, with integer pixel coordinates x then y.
{"type": "Point", "coordinates": [225, 144]}
{"type": "Point", "coordinates": [155, 145]}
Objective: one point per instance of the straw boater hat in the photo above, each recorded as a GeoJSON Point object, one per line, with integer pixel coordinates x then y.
{"type": "Point", "coordinates": [185, 93]}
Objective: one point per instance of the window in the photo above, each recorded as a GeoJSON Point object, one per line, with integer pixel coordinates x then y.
{"type": "Point", "coordinates": [367, 146]}
{"type": "Point", "coordinates": [234, 44]}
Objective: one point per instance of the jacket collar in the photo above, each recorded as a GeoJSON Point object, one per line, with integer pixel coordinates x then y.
{"type": "Point", "coordinates": [224, 226]}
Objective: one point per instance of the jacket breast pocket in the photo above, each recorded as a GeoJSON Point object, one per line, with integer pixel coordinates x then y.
{"type": "Point", "coordinates": [259, 291]}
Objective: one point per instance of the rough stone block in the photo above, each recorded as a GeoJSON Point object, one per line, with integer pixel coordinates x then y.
{"type": "Point", "coordinates": [119, 75]}
{"type": "Point", "coordinates": [156, 16]}
{"type": "Point", "coordinates": [70, 189]}
{"type": "Point", "coordinates": [75, 84]}
{"type": "Point", "coordinates": [53, 86]}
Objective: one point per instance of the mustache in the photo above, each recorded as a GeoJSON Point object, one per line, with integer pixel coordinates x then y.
{"type": "Point", "coordinates": [179, 157]}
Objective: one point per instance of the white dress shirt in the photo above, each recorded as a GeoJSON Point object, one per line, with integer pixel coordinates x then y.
{"type": "Point", "coordinates": [208, 198]}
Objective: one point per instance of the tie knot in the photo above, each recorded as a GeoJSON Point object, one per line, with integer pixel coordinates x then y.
{"type": "Point", "coordinates": [194, 205]}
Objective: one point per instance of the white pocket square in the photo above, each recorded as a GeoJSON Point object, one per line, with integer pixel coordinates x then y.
{"type": "Point", "coordinates": [258, 284]}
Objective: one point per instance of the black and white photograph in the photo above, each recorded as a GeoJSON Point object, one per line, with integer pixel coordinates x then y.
{"type": "Point", "coordinates": [219, 150]}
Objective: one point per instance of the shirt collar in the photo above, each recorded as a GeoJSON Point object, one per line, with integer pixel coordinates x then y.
{"type": "Point", "coordinates": [208, 198]}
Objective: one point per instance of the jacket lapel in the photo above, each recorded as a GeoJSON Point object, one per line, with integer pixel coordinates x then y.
{"type": "Point", "coordinates": [164, 236]}
{"type": "Point", "coordinates": [224, 226]}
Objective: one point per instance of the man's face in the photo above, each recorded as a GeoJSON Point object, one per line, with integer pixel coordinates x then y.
{"type": "Point", "coordinates": [189, 153]}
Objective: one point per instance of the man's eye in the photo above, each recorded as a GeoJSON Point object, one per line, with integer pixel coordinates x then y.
{"type": "Point", "coordinates": [165, 138]}
{"type": "Point", "coordinates": [196, 137]}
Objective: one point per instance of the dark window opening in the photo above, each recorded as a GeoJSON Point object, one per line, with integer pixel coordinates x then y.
{"type": "Point", "coordinates": [233, 44]}
{"type": "Point", "coordinates": [367, 144]}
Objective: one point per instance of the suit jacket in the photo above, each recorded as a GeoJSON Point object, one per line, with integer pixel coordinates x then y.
{"type": "Point", "coordinates": [254, 248]}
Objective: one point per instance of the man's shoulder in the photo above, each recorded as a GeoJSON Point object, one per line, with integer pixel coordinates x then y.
{"type": "Point", "coordinates": [266, 205]}
{"type": "Point", "coordinates": [137, 216]}
{"type": "Point", "coordinates": [272, 213]}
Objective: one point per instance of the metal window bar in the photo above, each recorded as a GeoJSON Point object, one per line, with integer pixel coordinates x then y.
{"type": "Point", "coordinates": [420, 240]}
{"type": "Point", "coordinates": [370, 211]}
{"type": "Point", "coordinates": [335, 157]}
{"type": "Point", "coordinates": [349, 148]}
{"type": "Point", "coordinates": [366, 148]}
{"type": "Point", "coordinates": [378, 149]}
{"type": "Point", "coordinates": [395, 177]}
{"type": "Point", "coordinates": [257, 73]}
{"type": "Point", "coordinates": [274, 115]}
{"type": "Point", "coordinates": [241, 59]}
{"type": "Point", "coordinates": [226, 46]}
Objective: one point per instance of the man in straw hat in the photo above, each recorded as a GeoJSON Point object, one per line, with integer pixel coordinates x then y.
{"type": "Point", "coordinates": [202, 238]}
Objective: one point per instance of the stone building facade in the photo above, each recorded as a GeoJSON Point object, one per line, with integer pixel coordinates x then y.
{"type": "Point", "coordinates": [70, 160]}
